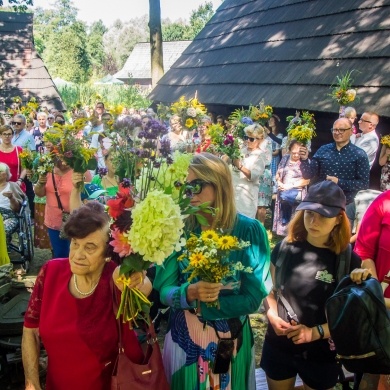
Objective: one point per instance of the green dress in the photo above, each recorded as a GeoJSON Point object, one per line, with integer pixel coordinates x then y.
{"type": "Point", "coordinates": [190, 344]}
{"type": "Point", "coordinates": [111, 191]}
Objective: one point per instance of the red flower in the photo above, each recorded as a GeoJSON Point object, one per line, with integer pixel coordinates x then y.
{"type": "Point", "coordinates": [123, 201]}
{"type": "Point", "coordinates": [120, 243]}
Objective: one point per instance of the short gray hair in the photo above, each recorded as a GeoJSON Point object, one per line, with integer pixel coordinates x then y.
{"type": "Point", "coordinates": [5, 168]}
{"type": "Point", "coordinates": [21, 117]}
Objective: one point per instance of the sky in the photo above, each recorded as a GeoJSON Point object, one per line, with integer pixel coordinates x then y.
{"type": "Point", "coordinates": [110, 10]}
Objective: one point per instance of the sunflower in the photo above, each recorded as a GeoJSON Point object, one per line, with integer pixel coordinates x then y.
{"type": "Point", "coordinates": [197, 260]}
{"type": "Point", "coordinates": [227, 242]}
{"type": "Point", "coordinates": [209, 235]}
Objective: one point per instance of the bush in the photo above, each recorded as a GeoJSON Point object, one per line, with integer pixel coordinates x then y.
{"type": "Point", "coordinates": [113, 95]}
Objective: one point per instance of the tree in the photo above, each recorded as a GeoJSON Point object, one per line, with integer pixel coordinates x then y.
{"type": "Point", "coordinates": [68, 57]}
{"type": "Point", "coordinates": [176, 31]}
{"type": "Point", "coordinates": [200, 17]}
{"type": "Point", "coordinates": [18, 5]}
{"type": "Point", "coordinates": [156, 50]}
{"type": "Point", "coordinates": [120, 40]}
{"type": "Point", "coordinates": [95, 47]}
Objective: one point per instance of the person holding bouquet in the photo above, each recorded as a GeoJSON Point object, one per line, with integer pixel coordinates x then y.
{"type": "Point", "coordinates": [247, 171]}
{"type": "Point", "coordinates": [204, 314]}
{"type": "Point", "coordinates": [71, 310]}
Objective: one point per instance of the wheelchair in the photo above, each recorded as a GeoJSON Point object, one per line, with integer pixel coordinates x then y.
{"type": "Point", "coordinates": [22, 240]}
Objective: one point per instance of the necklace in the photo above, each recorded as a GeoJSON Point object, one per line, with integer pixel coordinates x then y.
{"type": "Point", "coordinates": [84, 294]}
{"type": "Point", "coordinates": [109, 181]}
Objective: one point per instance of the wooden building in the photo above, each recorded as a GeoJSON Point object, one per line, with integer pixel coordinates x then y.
{"type": "Point", "coordinates": [22, 71]}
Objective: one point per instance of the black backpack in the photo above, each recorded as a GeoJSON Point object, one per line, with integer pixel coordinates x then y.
{"type": "Point", "coordinates": [359, 325]}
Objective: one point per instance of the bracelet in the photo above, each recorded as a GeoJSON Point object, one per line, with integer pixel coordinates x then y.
{"type": "Point", "coordinates": [240, 166]}
{"type": "Point", "coordinates": [386, 279]}
{"type": "Point", "coordinates": [320, 331]}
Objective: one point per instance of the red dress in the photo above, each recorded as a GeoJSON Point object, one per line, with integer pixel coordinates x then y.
{"type": "Point", "coordinates": [79, 335]}
{"type": "Point", "coordinates": [13, 161]}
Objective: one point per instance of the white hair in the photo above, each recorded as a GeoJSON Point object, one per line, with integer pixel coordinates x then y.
{"type": "Point", "coordinates": [5, 168]}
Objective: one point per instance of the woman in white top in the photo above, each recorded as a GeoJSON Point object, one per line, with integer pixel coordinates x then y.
{"type": "Point", "coordinates": [247, 171]}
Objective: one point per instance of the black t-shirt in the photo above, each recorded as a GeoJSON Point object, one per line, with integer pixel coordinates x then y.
{"type": "Point", "coordinates": [309, 280]}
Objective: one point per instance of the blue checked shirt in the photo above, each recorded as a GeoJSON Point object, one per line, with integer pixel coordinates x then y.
{"type": "Point", "coordinates": [349, 164]}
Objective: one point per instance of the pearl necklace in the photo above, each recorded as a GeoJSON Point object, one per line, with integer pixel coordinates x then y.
{"type": "Point", "coordinates": [84, 294]}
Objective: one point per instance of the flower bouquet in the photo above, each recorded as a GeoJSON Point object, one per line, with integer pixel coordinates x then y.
{"type": "Point", "coordinates": [224, 143]}
{"type": "Point", "coordinates": [342, 92]}
{"type": "Point", "coordinates": [190, 112]}
{"type": "Point", "coordinates": [19, 108]}
{"type": "Point", "coordinates": [71, 149]}
{"type": "Point", "coordinates": [240, 119]}
{"type": "Point", "coordinates": [208, 257]}
{"type": "Point", "coordinates": [42, 165]}
{"type": "Point", "coordinates": [148, 213]}
{"type": "Point", "coordinates": [302, 128]}
{"type": "Point", "coordinates": [385, 140]}
{"type": "Point", "coordinates": [261, 113]}
{"type": "Point", "coordinates": [27, 158]}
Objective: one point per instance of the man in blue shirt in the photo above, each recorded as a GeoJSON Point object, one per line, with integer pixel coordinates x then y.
{"type": "Point", "coordinates": [341, 162]}
{"type": "Point", "coordinates": [21, 136]}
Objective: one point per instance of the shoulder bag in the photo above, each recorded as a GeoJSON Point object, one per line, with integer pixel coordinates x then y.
{"type": "Point", "coordinates": [128, 375]}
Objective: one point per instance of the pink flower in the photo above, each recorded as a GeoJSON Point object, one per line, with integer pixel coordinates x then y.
{"type": "Point", "coordinates": [229, 140]}
{"type": "Point", "coordinates": [120, 243]}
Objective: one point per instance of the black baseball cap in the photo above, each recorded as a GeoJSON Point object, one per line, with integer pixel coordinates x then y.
{"type": "Point", "coordinates": [325, 198]}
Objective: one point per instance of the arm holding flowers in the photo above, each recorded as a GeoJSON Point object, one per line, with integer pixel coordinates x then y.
{"type": "Point", "coordinates": [40, 187]}
{"type": "Point", "coordinates": [253, 289]}
{"type": "Point", "coordinates": [384, 155]}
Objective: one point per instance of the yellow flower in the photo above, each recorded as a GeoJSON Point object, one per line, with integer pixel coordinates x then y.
{"type": "Point", "coordinates": [227, 242]}
{"type": "Point", "coordinates": [189, 123]}
{"type": "Point", "coordinates": [191, 243]}
{"type": "Point", "coordinates": [209, 235]}
{"type": "Point", "coordinates": [197, 260]}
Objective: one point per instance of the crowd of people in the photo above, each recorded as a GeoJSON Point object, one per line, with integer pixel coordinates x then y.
{"type": "Point", "coordinates": [314, 201]}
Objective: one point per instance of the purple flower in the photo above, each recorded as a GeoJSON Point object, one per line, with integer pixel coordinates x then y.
{"type": "Point", "coordinates": [126, 182]}
{"type": "Point", "coordinates": [102, 172]}
{"type": "Point", "coordinates": [153, 130]}
{"type": "Point", "coordinates": [156, 164]}
{"type": "Point", "coordinates": [229, 140]}
{"type": "Point", "coordinates": [68, 154]}
{"type": "Point", "coordinates": [165, 147]}
{"type": "Point", "coordinates": [246, 120]}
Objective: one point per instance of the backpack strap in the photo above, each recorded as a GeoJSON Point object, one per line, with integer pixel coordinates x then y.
{"type": "Point", "coordinates": [343, 263]}
{"type": "Point", "coordinates": [280, 264]}
{"type": "Point", "coordinates": [280, 267]}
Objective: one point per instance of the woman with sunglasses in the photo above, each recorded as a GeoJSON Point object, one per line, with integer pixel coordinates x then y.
{"type": "Point", "coordinates": [9, 154]}
{"type": "Point", "coordinates": [195, 328]}
{"type": "Point", "coordinates": [253, 182]}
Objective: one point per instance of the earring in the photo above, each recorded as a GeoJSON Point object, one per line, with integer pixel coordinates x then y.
{"type": "Point", "coordinates": [107, 259]}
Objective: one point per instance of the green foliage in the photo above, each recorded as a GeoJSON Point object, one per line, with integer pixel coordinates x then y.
{"type": "Point", "coordinates": [68, 58]}
{"type": "Point", "coordinates": [18, 5]}
{"type": "Point", "coordinates": [126, 95]}
{"type": "Point", "coordinates": [181, 30]}
{"type": "Point", "coordinates": [95, 48]}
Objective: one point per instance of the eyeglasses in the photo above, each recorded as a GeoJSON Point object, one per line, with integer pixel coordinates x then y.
{"type": "Point", "coordinates": [250, 139]}
{"type": "Point", "coordinates": [7, 134]}
{"type": "Point", "coordinates": [196, 186]}
{"type": "Point", "coordinates": [340, 131]}
{"type": "Point", "coordinates": [363, 120]}
{"type": "Point", "coordinates": [16, 123]}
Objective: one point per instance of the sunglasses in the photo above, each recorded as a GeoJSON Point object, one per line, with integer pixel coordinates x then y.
{"type": "Point", "coordinates": [16, 123]}
{"type": "Point", "coordinates": [60, 122]}
{"type": "Point", "coordinates": [196, 186]}
{"type": "Point", "coordinates": [250, 139]}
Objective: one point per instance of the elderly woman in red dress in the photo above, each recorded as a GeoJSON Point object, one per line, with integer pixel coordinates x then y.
{"type": "Point", "coordinates": [71, 311]}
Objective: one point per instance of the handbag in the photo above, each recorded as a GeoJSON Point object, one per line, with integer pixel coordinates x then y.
{"type": "Point", "coordinates": [150, 374]}
{"type": "Point", "coordinates": [65, 215]}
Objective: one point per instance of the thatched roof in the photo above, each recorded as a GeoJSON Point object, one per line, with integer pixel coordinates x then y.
{"type": "Point", "coordinates": [22, 71]}
{"type": "Point", "coordinates": [137, 66]}
{"type": "Point", "coordinates": [288, 52]}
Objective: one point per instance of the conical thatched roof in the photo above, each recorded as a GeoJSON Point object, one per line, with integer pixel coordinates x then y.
{"type": "Point", "coordinates": [22, 71]}
{"type": "Point", "coordinates": [288, 52]}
